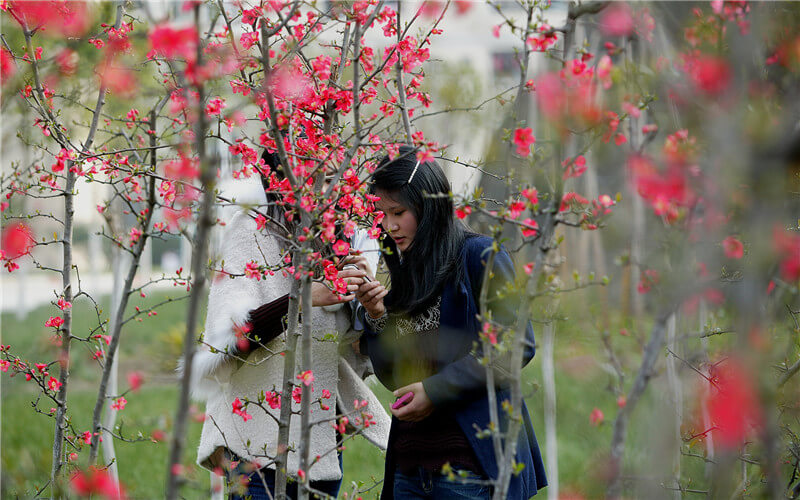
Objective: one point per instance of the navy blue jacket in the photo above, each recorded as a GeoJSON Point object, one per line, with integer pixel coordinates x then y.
{"type": "Point", "coordinates": [459, 384]}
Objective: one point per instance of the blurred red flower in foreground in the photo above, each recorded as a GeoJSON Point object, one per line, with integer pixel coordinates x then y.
{"type": "Point", "coordinates": [617, 20]}
{"type": "Point", "coordinates": [7, 66]}
{"type": "Point", "coordinates": [70, 19]}
{"type": "Point", "coordinates": [732, 403]}
{"type": "Point", "coordinates": [787, 246]}
{"type": "Point", "coordinates": [733, 247]}
{"type": "Point", "coordinates": [709, 74]}
{"type": "Point", "coordinates": [119, 80]}
{"type": "Point", "coordinates": [169, 42]}
{"type": "Point", "coordinates": [96, 482]}
{"type": "Point", "coordinates": [17, 240]}
{"type": "Point", "coordinates": [596, 417]}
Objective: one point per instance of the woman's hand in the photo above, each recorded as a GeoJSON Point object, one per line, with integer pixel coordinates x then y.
{"type": "Point", "coordinates": [356, 258]}
{"type": "Point", "coordinates": [371, 294]}
{"type": "Point", "coordinates": [418, 408]}
{"type": "Point", "coordinates": [321, 295]}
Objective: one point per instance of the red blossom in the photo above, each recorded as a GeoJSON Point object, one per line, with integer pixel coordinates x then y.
{"type": "Point", "coordinates": [523, 139]}
{"type": "Point", "coordinates": [515, 208]}
{"type": "Point", "coordinates": [67, 62]}
{"type": "Point", "coordinates": [709, 74]}
{"type": "Point", "coordinates": [531, 228]}
{"type": "Point", "coordinates": [135, 380]}
{"type": "Point", "coordinates": [604, 67]}
{"type": "Point", "coordinates": [252, 270]}
{"type": "Point", "coordinates": [169, 42]}
{"type": "Point", "coordinates": [647, 279]}
{"type": "Point", "coordinates": [596, 417]}
{"type": "Point", "coordinates": [215, 106]}
{"type": "Point", "coordinates": [70, 19]}
{"type": "Point", "coordinates": [531, 194]}
{"type": "Point", "coordinates": [306, 377]}
{"type": "Point", "coordinates": [238, 408]}
{"type": "Point", "coordinates": [53, 384]}
{"type": "Point", "coordinates": [248, 39]}
{"type": "Point", "coordinates": [118, 79]}
{"type": "Point", "coordinates": [7, 66]}
{"type": "Point", "coordinates": [787, 248]}
{"type": "Point", "coordinates": [96, 482]}
{"type": "Point", "coordinates": [733, 247]}
{"type": "Point", "coordinates": [54, 321]}
{"type": "Point", "coordinates": [667, 191]}
{"type": "Point", "coordinates": [733, 403]}
{"type": "Point", "coordinates": [462, 212]}
{"type": "Point", "coordinates": [617, 20]}
{"type": "Point", "coordinates": [341, 248]}
{"type": "Point", "coordinates": [574, 167]}
{"type": "Point", "coordinates": [17, 240]}
{"type": "Point", "coordinates": [119, 404]}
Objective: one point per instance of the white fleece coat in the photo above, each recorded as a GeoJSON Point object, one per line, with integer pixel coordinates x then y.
{"type": "Point", "coordinates": [220, 379]}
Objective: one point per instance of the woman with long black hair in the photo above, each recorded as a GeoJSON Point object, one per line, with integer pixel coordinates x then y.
{"type": "Point", "coordinates": [420, 335]}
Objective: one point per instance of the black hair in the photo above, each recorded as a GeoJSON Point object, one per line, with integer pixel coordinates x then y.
{"type": "Point", "coordinates": [433, 257]}
{"type": "Point", "coordinates": [275, 211]}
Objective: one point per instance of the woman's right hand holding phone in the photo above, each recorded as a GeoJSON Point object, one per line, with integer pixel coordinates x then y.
{"type": "Point", "coordinates": [370, 294]}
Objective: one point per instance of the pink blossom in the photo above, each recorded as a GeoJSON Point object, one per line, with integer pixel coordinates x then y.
{"type": "Point", "coordinates": [63, 304]}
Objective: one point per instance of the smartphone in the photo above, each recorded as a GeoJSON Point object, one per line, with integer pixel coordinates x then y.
{"type": "Point", "coordinates": [353, 266]}
{"type": "Point", "coordinates": [403, 400]}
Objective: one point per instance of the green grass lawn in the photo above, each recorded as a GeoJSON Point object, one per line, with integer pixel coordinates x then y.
{"type": "Point", "coordinates": [153, 345]}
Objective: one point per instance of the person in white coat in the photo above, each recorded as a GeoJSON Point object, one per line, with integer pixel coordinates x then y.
{"type": "Point", "coordinates": [230, 369]}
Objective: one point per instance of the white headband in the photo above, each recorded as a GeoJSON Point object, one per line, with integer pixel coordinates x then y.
{"type": "Point", "coordinates": [413, 173]}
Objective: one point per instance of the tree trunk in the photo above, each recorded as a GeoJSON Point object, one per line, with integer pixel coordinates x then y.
{"type": "Point", "coordinates": [198, 270]}
{"type": "Point", "coordinates": [549, 383]}
{"type": "Point", "coordinates": [676, 395]}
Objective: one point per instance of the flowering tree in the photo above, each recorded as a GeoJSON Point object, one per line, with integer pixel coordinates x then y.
{"type": "Point", "coordinates": [618, 108]}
